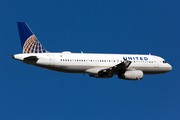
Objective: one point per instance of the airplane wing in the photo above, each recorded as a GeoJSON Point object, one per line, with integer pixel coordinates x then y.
{"type": "Point", "coordinates": [101, 71]}
{"type": "Point", "coordinates": [117, 68]}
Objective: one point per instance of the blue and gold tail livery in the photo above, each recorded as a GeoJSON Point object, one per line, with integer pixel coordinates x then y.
{"type": "Point", "coordinates": [29, 42]}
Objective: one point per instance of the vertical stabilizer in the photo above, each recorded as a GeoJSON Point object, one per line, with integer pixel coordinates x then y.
{"type": "Point", "coordinates": [29, 42]}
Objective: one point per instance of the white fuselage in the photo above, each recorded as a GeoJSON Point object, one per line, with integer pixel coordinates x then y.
{"type": "Point", "coordinates": [83, 62]}
{"type": "Point", "coordinates": [126, 66]}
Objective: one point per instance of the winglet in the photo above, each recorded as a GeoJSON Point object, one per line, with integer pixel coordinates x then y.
{"type": "Point", "coordinates": [29, 42]}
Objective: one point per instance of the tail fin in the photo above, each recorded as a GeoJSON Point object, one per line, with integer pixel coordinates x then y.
{"type": "Point", "coordinates": [29, 42]}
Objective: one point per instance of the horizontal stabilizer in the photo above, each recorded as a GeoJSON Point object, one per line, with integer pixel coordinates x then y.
{"type": "Point", "coordinates": [31, 58]}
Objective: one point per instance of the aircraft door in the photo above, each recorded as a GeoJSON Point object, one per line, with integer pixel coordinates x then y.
{"type": "Point", "coordinates": [51, 60]}
{"type": "Point", "coordinates": [156, 62]}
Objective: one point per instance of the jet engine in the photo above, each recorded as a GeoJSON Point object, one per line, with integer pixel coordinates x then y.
{"type": "Point", "coordinates": [131, 75]}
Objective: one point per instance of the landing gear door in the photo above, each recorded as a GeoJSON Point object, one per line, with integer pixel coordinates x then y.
{"type": "Point", "coordinates": [156, 62]}
{"type": "Point", "coordinates": [51, 60]}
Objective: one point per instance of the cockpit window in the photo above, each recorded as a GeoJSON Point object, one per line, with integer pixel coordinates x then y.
{"type": "Point", "coordinates": [164, 61]}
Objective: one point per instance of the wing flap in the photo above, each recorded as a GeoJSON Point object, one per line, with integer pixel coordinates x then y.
{"type": "Point", "coordinates": [95, 70]}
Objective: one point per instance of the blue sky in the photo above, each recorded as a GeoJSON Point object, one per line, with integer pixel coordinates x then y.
{"type": "Point", "coordinates": [91, 26]}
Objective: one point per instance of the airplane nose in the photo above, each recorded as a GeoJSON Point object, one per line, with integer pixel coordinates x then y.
{"type": "Point", "coordinates": [169, 67]}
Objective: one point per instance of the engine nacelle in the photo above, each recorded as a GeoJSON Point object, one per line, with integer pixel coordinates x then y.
{"type": "Point", "coordinates": [131, 75]}
{"type": "Point", "coordinates": [102, 76]}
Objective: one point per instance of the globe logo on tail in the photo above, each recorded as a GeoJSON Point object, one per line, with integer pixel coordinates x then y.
{"type": "Point", "coordinates": [32, 45]}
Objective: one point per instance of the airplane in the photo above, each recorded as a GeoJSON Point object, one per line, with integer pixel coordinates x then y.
{"type": "Point", "coordinates": [125, 66]}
